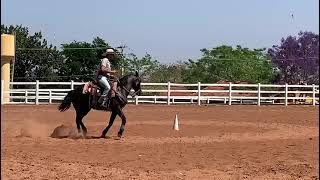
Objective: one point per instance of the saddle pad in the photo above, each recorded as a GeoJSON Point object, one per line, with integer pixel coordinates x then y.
{"type": "Point", "coordinates": [86, 88]}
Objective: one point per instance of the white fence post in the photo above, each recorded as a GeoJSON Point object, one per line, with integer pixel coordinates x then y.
{"type": "Point", "coordinates": [72, 85]}
{"type": "Point", "coordinates": [313, 94]}
{"type": "Point", "coordinates": [286, 95]}
{"type": "Point", "coordinates": [199, 93]}
{"type": "Point", "coordinates": [26, 96]}
{"type": "Point", "coordinates": [50, 97]}
{"type": "Point", "coordinates": [136, 100]}
{"type": "Point", "coordinates": [37, 92]}
{"type": "Point", "coordinates": [259, 94]}
{"type": "Point", "coordinates": [168, 93]}
{"type": "Point", "coordinates": [230, 93]}
{"type": "Point", "coordinates": [2, 89]}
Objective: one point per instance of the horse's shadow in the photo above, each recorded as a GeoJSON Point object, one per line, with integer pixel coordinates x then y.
{"type": "Point", "coordinates": [87, 137]}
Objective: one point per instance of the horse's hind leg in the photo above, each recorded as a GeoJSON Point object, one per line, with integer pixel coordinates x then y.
{"type": "Point", "coordinates": [79, 122]}
{"type": "Point", "coordinates": [112, 118]}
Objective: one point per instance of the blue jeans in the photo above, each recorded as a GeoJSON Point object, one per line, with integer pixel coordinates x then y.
{"type": "Point", "coordinates": [103, 81]}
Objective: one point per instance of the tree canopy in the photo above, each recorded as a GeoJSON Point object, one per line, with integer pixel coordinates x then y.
{"type": "Point", "coordinates": [297, 59]}
{"type": "Point", "coordinates": [229, 64]}
{"type": "Point", "coordinates": [82, 59]}
{"type": "Point", "coordinates": [34, 56]}
{"type": "Point", "coordinates": [144, 66]}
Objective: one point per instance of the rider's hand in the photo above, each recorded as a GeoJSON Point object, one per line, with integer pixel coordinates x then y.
{"type": "Point", "coordinates": [114, 73]}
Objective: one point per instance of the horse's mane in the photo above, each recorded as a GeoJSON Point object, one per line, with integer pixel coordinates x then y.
{"type": "Point", "coordinates": [124, 79]}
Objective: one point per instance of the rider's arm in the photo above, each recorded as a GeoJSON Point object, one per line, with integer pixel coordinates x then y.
{"type": "Point", "coordinates": [105, 67]}
{"type": "Point", "coordinates": [107, 70]}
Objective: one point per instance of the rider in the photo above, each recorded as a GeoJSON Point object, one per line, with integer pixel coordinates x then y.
{"type": "Point", "coordinates": [104, 74]}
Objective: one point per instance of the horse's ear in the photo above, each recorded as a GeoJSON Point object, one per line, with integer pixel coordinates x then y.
{"type": "Point", "coordinates": [137, 74]}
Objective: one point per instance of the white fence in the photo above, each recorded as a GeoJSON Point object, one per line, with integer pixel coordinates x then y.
{"type": "Point", "coordinates": [166, 93]}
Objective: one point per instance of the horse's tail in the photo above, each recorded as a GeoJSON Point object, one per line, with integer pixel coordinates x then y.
{"type": "Point", "coordinates": [66, 103]}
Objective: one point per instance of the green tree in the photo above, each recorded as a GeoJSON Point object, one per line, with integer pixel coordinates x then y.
{"type": "Point", "coordinates": [168, 72]}
{"type": "Point", "coordinates": [145, 66]}
{"type": "Point", "coordinates": [83, 58]}
{"type": "Point", "coordinates": [230, 64]}
{"type": "Point", "coordinates": [35, 58]}
{"type": "Point", "coordinates": [80, 61]}
{"type": "Point", "coordinates": [101, 46]}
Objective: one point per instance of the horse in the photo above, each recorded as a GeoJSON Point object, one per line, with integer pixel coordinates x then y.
{"type": "Point", "coordinates": [82, 103]}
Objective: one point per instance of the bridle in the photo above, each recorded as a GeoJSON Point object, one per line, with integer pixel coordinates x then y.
{"type": "Point", "coordinates": [128, 91]}
{"type": "Point", "coordinates": [131, 94]}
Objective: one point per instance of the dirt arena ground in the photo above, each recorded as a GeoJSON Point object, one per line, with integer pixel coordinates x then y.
{"type": "Point", "coordinates": [214, 142]}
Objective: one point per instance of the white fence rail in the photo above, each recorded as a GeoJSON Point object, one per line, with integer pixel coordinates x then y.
{"type": "Point", "coordinates": [166, 93]}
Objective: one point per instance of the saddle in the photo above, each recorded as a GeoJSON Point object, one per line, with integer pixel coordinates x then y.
{"type": "Point", "coordinates": [94, 91]}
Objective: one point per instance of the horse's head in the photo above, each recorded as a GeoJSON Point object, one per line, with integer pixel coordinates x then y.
{"type": "Point", "coordinates": [129, 82]}
{"type": "Point", "coordinates": [136, 84]}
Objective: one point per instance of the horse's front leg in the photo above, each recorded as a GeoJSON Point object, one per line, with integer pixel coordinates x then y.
{"type": "Point", "coordinates": [112, 118]}
{"type": "Point", "coordinates": [123, 122]}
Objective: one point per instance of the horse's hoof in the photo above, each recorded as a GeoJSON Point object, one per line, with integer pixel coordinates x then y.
{"type": "Point", "coordinates": [103, 136]}
{"type": "Point", "coordinates": [118, 137]}
{"type": "Point", "coordinates": [84, 136]}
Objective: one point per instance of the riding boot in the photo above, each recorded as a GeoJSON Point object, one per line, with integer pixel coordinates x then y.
{"type": "Point", "coordinates": [105, 103]}
{"type": "Point", "coordinates": [101, 99]}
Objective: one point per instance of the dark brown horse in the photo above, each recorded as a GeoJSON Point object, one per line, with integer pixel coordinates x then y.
{"type": "Point", "coordinates": [82, 103]}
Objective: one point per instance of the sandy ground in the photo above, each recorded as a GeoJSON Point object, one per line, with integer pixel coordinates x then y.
{"type": "Point", "coordinates": [214, 142]}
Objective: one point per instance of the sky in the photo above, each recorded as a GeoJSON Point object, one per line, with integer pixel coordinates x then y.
{"type": "Point", "coordinates": [169, 30]}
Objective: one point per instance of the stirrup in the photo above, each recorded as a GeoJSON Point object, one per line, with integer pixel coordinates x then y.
{"type": "Point", "coordinates": [102, 98]}
{"type": "Point", "coordinates": [106, 102]}
{"type": "Point", "coordinates": [104, 105]}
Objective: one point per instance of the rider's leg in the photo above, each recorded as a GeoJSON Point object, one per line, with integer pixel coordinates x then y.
{"type": "Point", "coordinates": [106, 87]}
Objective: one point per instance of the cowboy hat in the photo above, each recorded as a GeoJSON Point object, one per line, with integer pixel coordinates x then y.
{"type": "Point", "coordinates": [109, 51]}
